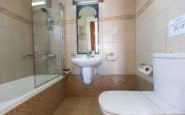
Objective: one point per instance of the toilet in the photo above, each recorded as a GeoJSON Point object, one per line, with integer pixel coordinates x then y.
{"type": "Point", "coordinates": [168, 97]}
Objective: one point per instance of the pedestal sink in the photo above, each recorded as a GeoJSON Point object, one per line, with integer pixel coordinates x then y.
{"type": "Point", "coordinates": [88, 64]}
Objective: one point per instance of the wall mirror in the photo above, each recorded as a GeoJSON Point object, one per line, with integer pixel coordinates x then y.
{"type": "Point", "coordinates": [87, 28]}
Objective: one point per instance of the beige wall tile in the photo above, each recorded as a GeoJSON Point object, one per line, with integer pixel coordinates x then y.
{"type": "Point", "coordinates": [20, 7]}
{"type": "Point", "coordinates": [120, 7]}
{"type": "Point", "coordinates": [70, 9]}
{"type": "Point", "coordinates": [15, 41]}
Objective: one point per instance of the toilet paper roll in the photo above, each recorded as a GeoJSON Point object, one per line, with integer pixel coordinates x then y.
{"type": "Point", "coordinates": [145, 69]}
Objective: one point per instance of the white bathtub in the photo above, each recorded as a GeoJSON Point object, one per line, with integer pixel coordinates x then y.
{"type": "Point", "coordinates": [17, 92]}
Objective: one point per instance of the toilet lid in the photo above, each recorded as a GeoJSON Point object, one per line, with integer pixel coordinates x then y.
{"type": "Point", "coordinates": [131, 102]}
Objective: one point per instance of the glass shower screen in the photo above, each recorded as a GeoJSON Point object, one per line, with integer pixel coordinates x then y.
{"type": "Point", "coordinates": [48, 42]}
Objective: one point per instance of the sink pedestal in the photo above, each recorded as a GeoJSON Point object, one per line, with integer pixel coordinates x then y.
{"type": "Point", "coordinates": [87, 73]}
{"type": "Point", "coordinates": [88, 65]}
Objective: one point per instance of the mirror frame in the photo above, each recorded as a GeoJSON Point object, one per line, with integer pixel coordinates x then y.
{"type": "Point", "coordinates": [78, 8]}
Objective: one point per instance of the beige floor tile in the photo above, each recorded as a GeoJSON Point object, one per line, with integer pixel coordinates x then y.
{"type": "Point", "coordinates": [79, 106]}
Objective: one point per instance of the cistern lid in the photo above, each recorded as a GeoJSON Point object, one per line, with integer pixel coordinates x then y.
{"type": "Point", "coordinates": [168, 55]}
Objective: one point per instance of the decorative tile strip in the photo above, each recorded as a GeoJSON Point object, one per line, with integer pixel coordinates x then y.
{"type": "Point", "coordinates": [122, 17]}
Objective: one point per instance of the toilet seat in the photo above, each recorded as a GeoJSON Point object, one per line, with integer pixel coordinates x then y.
{"type": "Point", "coordinates": [133, 103]}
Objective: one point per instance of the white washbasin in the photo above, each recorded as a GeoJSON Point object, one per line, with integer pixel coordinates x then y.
{"type": "Point", "coordinates": [88, 65]}
{"type": "Point", "coordinates": [85, 61]}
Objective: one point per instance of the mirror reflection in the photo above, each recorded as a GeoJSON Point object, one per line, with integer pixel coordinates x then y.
{"type": "Point", "coordinates": [87, 28]}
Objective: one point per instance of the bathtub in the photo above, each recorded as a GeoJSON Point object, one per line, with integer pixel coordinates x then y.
{"type": "Point", "coordinates": [17, 92]}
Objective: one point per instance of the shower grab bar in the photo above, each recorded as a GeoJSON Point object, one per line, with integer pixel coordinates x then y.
{"type": "Point", "coordinates": [28, 55]}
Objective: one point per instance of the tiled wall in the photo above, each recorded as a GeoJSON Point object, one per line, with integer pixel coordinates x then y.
{"type": "Point", "coordinates": [44, 103]}
{"type": "Point", "coordinates": [152, 29]}
{"type": "Point", "coordinates": [15, 39]}
{"type": "Point", "coordinates": [117, 34]}
{"type": "Point", "coordinates": [74, 86]}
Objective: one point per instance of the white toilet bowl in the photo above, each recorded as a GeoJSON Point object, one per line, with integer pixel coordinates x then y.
{"type": "Point", "coordinates": [166, 99]}
{"type": "Point", "coordinates": [134, 103]}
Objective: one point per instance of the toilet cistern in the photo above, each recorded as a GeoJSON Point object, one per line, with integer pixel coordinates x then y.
{"type": "Point", "coordinates": [88, 64]}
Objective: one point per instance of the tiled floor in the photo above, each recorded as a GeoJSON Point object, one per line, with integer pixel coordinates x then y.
{"type": "Point", "coordinates": [79, 106]}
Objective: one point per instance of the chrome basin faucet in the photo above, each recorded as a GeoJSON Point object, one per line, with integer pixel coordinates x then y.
{"type": "Point", "coordinates": [89, 53]}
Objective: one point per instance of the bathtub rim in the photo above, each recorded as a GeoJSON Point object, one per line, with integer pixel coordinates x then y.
{"type": "Point", "coordinates": [10, 105]}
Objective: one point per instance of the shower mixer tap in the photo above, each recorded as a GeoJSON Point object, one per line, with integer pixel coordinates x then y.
{"type": "Point", "coordinates": [50, 55]}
